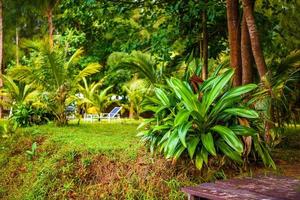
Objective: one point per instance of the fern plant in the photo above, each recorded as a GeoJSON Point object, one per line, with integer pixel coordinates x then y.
{"type": "Point", "coordinates": [202, 124]}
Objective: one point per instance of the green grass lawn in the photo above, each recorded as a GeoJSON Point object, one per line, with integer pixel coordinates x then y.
{"type": "Point", "coordinates": [107, 138]}
{"type": "Point", "coordinates": [107, 161]}
{"type": "Point", "coordinates": [87, 161]}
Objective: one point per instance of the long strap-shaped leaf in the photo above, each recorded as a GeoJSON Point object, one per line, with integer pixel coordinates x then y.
{"type": "Point", "coordinates": [208, 143]}
{"type": "Point", "coordinates": [229, 136]}
{"type": "Point", "coordinates": [242, 112]}
{"type": "Point", "coordinates": [162, 96]}
{"type": "Point", "coordinates": [229, 152]}
{"type": "Point", "coordinates": [231, 97]}
{"type": "Point", "coordinates": [209, 98]}
{"type": "Point", "coordinates": [185, 93]}
{"type": "Point", "coordinates": [182, 131]}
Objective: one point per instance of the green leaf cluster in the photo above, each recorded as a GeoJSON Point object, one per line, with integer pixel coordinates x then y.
{"type": "Point", "coordinates": [202, 125]}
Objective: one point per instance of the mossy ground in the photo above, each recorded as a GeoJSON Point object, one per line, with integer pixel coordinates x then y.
{"type": "Point", "coordinates": [107, 161]}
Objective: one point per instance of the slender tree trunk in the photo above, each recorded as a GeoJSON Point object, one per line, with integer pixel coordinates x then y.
{"type": "Point", "coordinates": [17, 46]}
{"type": "Point", "coordinates": [131, 110]}
{"type": "Point", "coordinates": [205, 44]}
{"type": "Point", "coordinates": [254, 38]}
{"type": "Point", "coordinates": [201, 47]}
{"type": "Point", "coordinates": [234, 33]}
{"type": "Point", "coordinates": [247, 77]}
{"type": "Point", "coordinates": [259, 60]}
{"type": "Point", "coordinates": [1, 51]}
{"type": "Point", "coordinates": [50, 26]}
{"type": "Point", "coordinates": [247, 68]}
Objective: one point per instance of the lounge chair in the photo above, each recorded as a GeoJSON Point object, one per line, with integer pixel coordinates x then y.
{"type": "Point", "coordinates": [114, 114]}
{"type": "Point", "coordinates": [91, 117]}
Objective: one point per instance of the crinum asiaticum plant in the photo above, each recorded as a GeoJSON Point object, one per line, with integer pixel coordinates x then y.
{"type": "Point", "coordinates": [202, 126]}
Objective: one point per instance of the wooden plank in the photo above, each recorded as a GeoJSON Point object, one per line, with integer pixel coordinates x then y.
{"type": "Point", "coordinates": [280, 187]}
{"type": "Point", "coordinates": [212, 191]}
{"type": "Point", "coordinates": [264, 187]}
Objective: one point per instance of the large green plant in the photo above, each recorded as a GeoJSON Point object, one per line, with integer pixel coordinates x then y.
{"type": "Point", "coordinates": [141, 63]}
{"type": "Point", "coordinates": [15, 93]}
{"type": "Point", "coordinates": [27, 115]}
{"type": "Point", "coordinates": [202, 124]}
{"type": "Point", "coordinates": [55, 73]}
{"type": "Point", "coordinates": [136, 89]}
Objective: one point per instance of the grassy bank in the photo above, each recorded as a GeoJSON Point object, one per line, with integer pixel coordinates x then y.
{"type": "Point", "coordinates": [89, 161]}
{"type": "Point", "coordinates": [105, 161]}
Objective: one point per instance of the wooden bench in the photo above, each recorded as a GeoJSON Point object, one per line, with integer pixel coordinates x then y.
{"type": "Point", "coordinates": [262, 188]}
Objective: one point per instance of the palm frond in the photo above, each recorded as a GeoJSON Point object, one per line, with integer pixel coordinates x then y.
{"type": "Point", "coordinates": [20, 73]}
{"type": "Point", "coordinates": [12, 86]}
{"type": "Point", "coordinates": [88, 70]}
{"type": "Point", "coordinates": [143, 63]}
{"type": "Point", "coordinates": [74, 59]}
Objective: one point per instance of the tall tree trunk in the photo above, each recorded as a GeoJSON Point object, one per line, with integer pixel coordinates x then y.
{"type": "Point", "coordinates": [247, 77]}
{"type": "Point", "coordinates": [254, 38]}
{"type": "Point", "coordinates": [234, 33]}
{"type": "Point", "coordinates": [50, 26]}
{"type": "Point", "coordinates": [201, 46]}
{"type": "Point", "coordinates": [205, 44]}
{"type": "Point", "coordinates": [259, 60]}
{"type": "Point", "coordinates": [17, 46]}
{"type": "Point", "coordinates": [247, 68]}
{"type": "Point", "coordinates": [1, 51]}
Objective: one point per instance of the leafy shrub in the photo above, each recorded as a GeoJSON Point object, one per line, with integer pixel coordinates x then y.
{"type": "Point", "coordinates": [8, 128]}
{"type": "Point", "coordinates": [203, 124]}
{"type": "Point", "coordinates": [26, 115]}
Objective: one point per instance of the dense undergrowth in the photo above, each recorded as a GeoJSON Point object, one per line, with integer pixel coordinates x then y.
{"type": "Point", "coordinates": [88, 162]}
{"type": "Point", "coordinates": [98, 161]}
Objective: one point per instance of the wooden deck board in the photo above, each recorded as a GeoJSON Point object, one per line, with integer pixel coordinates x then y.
{"type": "Point", "coordinates": [268, 188]}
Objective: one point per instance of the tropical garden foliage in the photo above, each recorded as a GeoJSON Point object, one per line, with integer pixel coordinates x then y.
{"type": "Point", "coordinates": [205, 93]}
{"type": "Point", "coordinates": [205, 123]}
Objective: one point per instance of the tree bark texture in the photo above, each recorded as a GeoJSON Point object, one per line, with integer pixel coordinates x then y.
{"type": "Point", "coordinates": [17, 46]}
{"type": "Point", "coordinates": [234, 35]}
{"type": "Point", "coordinates": [205, 44]}
{"type": "Point", "coordinates": [246, 52]}
{"type": "Point", "coordinates": [50, 26]}
{"type": "Point", "coordinates": [131, 110]}
{"type": "Point", "coordinates": [259, 60]}
{"type": "Point", "coordinates": [254, 38]}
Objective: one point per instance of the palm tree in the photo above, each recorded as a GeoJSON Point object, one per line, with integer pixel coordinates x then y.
{"type": "Point", "coordinates": [88, 90]}
{"type": "Point", "coordinates": [135, 89]}
{"type": "Point", "coordinates": [94, 98]}
{"type": "Point", "coordinates": [16, 92]}
{"type": "Point", "coordinates": [139, 62]}
{"type": "Point", "coordinates": [101, 100]}
{"type": "Point", "coordinates": [56, 74]}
